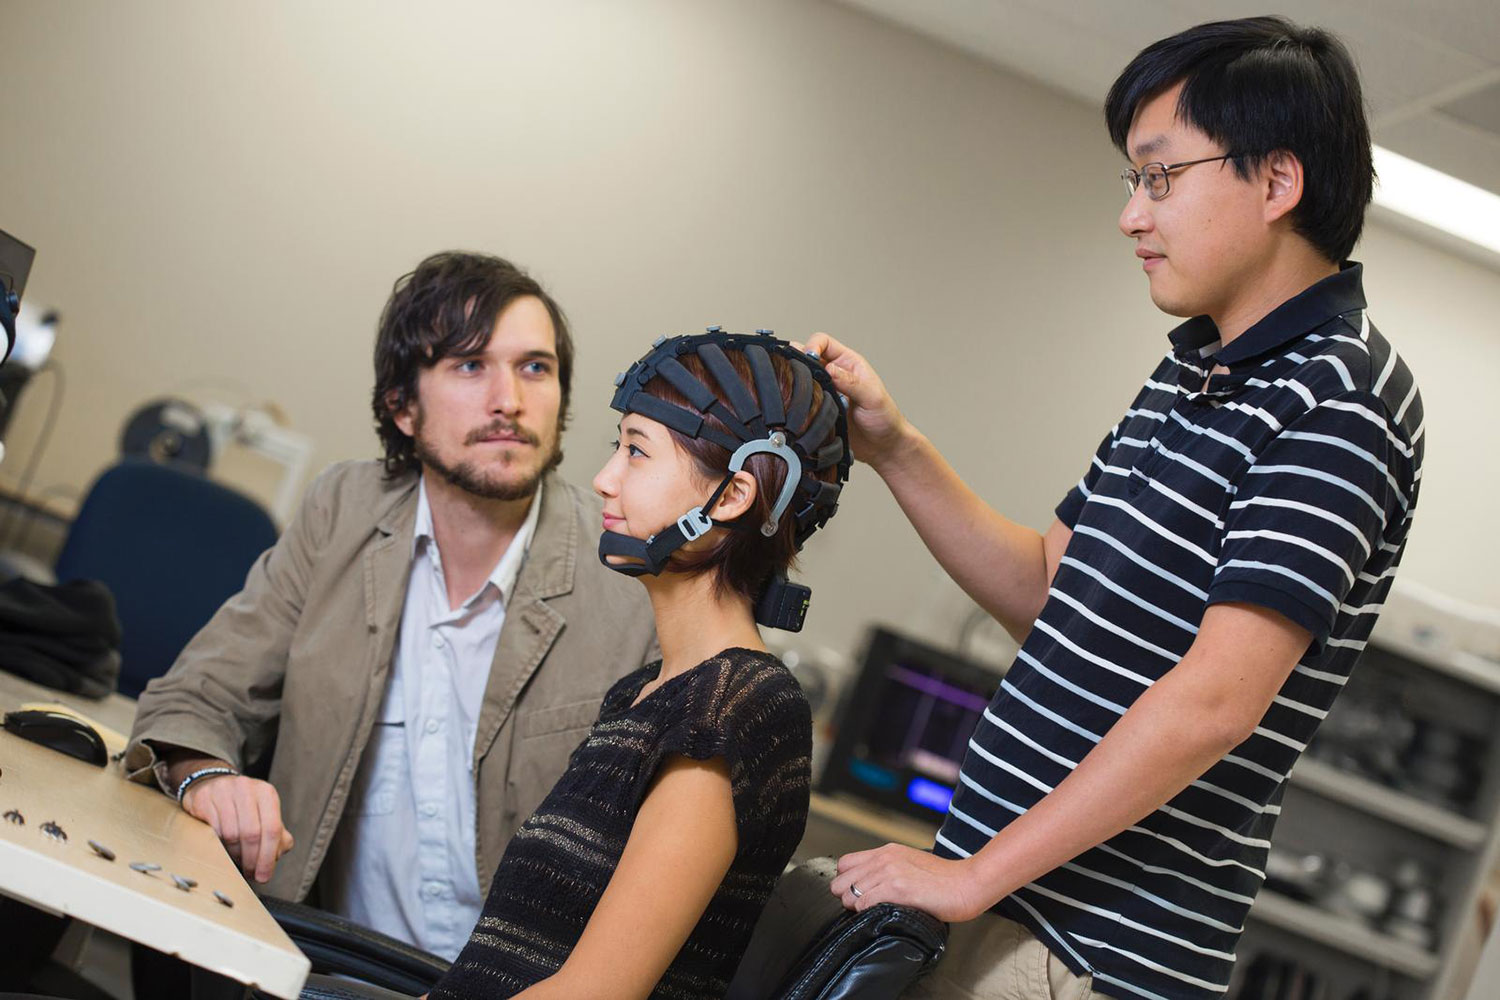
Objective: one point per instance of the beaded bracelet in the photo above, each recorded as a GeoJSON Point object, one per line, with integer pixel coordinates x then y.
{"type": "Point", "coordinates": [202, 772]}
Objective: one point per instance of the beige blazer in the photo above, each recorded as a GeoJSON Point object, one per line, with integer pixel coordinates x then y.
{"type": "Point", "coordinates": [301, 657]}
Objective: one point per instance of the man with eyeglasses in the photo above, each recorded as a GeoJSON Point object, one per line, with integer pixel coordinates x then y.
{"type": "Point", "coordinates": [1200, 599]}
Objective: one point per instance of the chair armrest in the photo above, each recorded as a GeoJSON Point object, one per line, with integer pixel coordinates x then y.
{"type": "Point", "coordinates": [320, 987]}
{"type": "Point", "coordinates": [337, 946]}
{"type": "Point", "coordinates": [807, 946]}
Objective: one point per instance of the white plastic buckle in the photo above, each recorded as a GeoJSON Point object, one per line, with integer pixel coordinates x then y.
{"type": "Point", "coordinates": [694, 524]}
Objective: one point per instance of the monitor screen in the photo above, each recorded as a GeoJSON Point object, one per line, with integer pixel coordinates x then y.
{"type": "Point", "coordinates": [903, 729]}
{"type": "Point", "coordinates": [15, 263]}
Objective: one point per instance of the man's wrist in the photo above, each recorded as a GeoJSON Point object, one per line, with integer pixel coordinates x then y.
{"type": "Point", "coordinates": [203, 774]}
{"type": "Point", "coordinates": [898, 457]}
{"type": "Point", "coordinates": [182, 762]}
{"type": "Point", "coordinates": [985, 871]}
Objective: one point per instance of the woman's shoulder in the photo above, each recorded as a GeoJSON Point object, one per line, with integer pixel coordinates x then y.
{"type": "Point", "coordinates": [742, 686]}
{"type": "Point", "coordinates": [738, 669]}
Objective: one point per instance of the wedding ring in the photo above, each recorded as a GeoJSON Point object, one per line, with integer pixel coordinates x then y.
{"type": "Point", "coordinates": [855, 889]}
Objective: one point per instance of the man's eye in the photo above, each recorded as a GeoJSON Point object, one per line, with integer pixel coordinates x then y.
{"type": "Point", "coordinates": [471, 365]}
{"type": "Point", "coordinates": [537, 368]}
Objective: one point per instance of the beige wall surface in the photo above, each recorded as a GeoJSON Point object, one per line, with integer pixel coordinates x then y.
{"type": "Point", "coordinates": [221, 195]}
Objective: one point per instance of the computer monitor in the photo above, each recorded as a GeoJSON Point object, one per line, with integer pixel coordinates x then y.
{"type": "Point", "coordinates": [15, 263]}
{"type": "Point", "coordinates": [15, 266]}
{"type": "Point", "coordinates": [904, 727]}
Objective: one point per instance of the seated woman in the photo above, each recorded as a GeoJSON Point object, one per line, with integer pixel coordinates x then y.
{"type": "Point", "coordinates": [644, 870]}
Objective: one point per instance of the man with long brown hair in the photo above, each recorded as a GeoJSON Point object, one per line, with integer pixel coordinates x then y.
{"type": "Point", "coordinates": [425, 644]}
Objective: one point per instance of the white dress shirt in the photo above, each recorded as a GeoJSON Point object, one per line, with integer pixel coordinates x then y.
{"type": "Point", "coordinates": [402, 861]}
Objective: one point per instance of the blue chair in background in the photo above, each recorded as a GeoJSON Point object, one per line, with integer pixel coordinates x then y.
{"type": "Point", "coordinates": [171, 546]}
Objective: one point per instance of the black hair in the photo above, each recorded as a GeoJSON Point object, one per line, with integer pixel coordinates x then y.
{"type": "Point", "coordinates": [447, 307]}
{"type": "Point", "coordinates": [1259, 85]}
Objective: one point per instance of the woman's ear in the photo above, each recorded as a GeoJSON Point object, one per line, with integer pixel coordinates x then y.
{"type": "Point", "coordinates": [737, 498]}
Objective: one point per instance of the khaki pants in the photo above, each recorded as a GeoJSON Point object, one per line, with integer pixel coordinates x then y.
{"type": "Point", "coordinates": [993, 958]}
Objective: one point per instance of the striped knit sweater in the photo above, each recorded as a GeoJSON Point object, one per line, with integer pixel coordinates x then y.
{"type": "Point", "coordinates": [741, 705]}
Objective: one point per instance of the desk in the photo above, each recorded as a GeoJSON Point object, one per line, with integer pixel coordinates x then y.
{"type": "Point", "coordinates": [137, 823]}
{"type": "Point", "coordinates": [115, 711]}
{"type": "Point", "coordinates": [883, 825]}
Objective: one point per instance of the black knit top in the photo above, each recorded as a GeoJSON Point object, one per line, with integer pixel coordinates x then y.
{"type": "Point", "coordinates": [741, 705]}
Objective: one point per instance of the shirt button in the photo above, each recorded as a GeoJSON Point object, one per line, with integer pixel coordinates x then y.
{"type": "Point", "coordinates": [437, 641]}
{"type": "Point", "coordinates": [430, 809]}
{"type": "Point", "coordinates": [432, 725]}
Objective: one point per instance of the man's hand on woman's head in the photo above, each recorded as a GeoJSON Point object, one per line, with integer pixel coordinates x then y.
{"type": "Point", "coordinates": [877, 430]}
{"type": "Point", "coordinates": [896, 874]}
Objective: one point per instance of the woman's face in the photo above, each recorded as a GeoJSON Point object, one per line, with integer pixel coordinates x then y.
{"type": "Point", "coordinates": [649, 482]}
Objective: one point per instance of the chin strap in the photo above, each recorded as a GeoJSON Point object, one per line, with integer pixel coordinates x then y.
{"type": "Point", "coordinates": [655, 552]}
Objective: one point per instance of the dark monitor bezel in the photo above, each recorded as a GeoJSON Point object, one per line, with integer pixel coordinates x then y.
{"type": "Point", "coordinates": [885, 648]}
{"type": "Point", "coordinates": [16, 259]}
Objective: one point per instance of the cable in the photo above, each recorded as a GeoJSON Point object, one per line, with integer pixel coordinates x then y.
{"type": "Point", "coordinates": [30, 510]}
{"type": "Point", "coordinates": [43, 439]}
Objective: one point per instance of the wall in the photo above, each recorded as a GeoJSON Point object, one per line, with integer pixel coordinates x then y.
{"type": "Point", "coordinates": [221, 196]}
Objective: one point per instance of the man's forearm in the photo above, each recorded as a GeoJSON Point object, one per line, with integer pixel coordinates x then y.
{"type": "Point", "coordinates": [1000, 564]}
{"type": "Point", "coordinates": [1165, 741]}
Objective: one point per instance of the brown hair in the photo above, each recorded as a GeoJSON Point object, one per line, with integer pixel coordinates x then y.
{"type": "Point", "coordinates": [743, 559]}
{"type": "Point", "coordinates": [447, 307]}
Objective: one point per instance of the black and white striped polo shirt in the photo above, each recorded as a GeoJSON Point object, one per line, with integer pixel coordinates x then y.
{"type": "Point", "coordinates": [1287, 483]}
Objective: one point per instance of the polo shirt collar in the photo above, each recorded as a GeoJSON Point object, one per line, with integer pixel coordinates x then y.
{"type": "Point", "coordinates": [1197, 340]}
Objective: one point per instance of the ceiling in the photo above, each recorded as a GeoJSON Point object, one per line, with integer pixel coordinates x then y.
{"type": "Point", "coordinates": [1431, 71]}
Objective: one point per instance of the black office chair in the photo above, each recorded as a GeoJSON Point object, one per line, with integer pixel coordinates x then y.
{"type": "Point", "coordinates": [336, 946]}
{"type": "Point", "coordinates": [806, 946]}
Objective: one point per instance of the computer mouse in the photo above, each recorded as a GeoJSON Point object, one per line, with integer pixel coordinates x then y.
{"type": "Point", "coordinates": [60, 732]}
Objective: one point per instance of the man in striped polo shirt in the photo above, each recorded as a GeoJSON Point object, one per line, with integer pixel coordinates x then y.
{"type": "Point", "coordinates": [1190, 615]}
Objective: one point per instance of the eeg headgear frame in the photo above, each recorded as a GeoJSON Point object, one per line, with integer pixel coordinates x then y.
{"type": "Point", "coordinates": [769, 427]}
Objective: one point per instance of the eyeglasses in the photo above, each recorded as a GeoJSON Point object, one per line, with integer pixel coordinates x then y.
{"type": "Point", "coordinates": [1155, 176]}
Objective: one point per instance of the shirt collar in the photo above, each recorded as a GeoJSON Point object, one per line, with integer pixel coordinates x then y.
{"type": "Point", "coordinates": [1198, 338]}
{"type": "Point", "coordinates": [504, 575]}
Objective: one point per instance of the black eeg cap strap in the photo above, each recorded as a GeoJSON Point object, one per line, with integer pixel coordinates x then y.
{"type": "Point", "coordinates": [828, 415]}
{"type": "Point", "coordinates": [741, 403]}
{"type": "Point", "coordinates": [653, 554]}
{"type": "Point", "coordinates": [802, 383]}
{"type": "Point", "coordinates": [684, 421]}
{"type": "Point", "coordinates": [701, 397]}
{"type": "Point", "coordinates": [830, 454]}
{"type": "Point", "coordinates": [767, 387]}
{"type": "Point", "coordinates": [698, 395]}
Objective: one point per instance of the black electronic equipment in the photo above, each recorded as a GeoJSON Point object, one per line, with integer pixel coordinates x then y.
{"type": "Point", "coordinates": [168, 431]}
{"type": "Point", "coordinates": [15, 268]}
{"type": "Point", "coordinates": [59, 731]}
{"type": "Point", "coordinates": [783, 604]}
{"type": "Point", "coordinates": [905, 723]}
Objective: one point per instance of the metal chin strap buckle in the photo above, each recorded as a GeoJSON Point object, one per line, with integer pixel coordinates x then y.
{"type": "Point", "coordinates": [694, 524]}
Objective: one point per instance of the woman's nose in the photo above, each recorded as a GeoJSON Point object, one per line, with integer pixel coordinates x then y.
{"type": "Point", "coordinates": [604, 479]}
